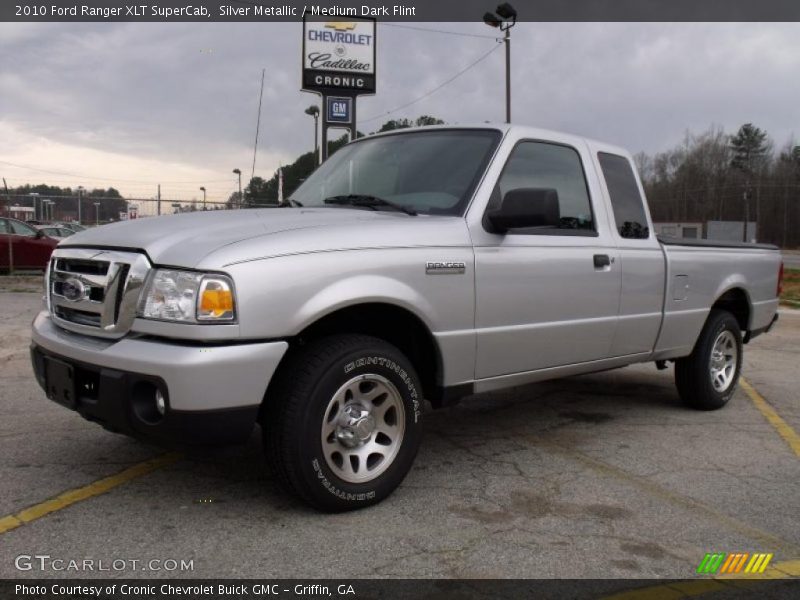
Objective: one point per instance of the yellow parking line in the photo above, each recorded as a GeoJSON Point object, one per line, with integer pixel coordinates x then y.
{"type": "Point", "coordinates": [96, 488]}
{"type": "Point", "coordinates": [697, 587]}
{"type": "Point", "coordinates": [782, 427]}
{"type": "Point", "coordinates": [763, 538]}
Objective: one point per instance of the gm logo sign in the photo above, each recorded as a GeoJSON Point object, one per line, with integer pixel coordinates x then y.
{"type": "Point", "coordinates": [339, 109]}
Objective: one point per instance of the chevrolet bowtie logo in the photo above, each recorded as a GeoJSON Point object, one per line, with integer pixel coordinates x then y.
{"type": "Point", "coordinates": [341, 25]}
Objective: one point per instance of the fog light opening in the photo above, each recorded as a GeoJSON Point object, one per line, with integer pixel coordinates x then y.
{"type": "Point", "coordinates": [149, 402]}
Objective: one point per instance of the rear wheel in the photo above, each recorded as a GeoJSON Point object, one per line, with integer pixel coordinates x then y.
{"type": "Point", "coordinates": [706, 379]}
{"type": "Point", "coordinates": [342, 423]}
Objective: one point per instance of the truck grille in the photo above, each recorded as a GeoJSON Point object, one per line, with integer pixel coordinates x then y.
{"type": "Point", "coordinates": [95, 292]}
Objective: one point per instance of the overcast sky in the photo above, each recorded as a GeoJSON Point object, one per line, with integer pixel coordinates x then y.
{"type": "Point", "coordinates": [135, 104]}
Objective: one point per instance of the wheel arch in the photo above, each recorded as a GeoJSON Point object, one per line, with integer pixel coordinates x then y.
{"type": "Point", "coordinates": [736, 301]}
{"type": "Point", "coordinates": [389, 322]}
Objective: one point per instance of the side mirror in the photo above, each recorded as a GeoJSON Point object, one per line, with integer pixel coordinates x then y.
{"type": "Point", "coordinates": [39, 234]}
{"type": "Point", "coordinates": [526, 207]}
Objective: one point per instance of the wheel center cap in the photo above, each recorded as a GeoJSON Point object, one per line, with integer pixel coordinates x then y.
{"type": "Point", "coordinates": [356, 425]}
{"type": "Point", "coordinates": [364, 427]}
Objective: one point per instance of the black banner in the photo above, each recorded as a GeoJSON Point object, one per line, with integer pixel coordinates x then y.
{"type": "Point", "coordinates": [331, 80]}
{"type": "Point", "coordinates": [379, 589]}
{"type": "Point", "coordinates": [404, 10]}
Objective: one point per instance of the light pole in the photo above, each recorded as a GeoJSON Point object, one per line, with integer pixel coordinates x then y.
{"type": "Point", "coordinates": [80, 194]}
{"type": "Point", "coordinates": [96, 214]}
{"type": "Point", "coordinates": [239, 173]}
{"type": "Point", "coordinates": [202, 189]}
{"type": "Point", "coordinates": [313, 110]}
{"type": "Point", "coordinates": [505, 19]}
{"type": "Point", "coordinates": [35, 197]}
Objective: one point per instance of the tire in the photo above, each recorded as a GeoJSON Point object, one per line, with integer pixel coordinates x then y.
{"type": "Point", "coordinates": [343, 421]}
{"type": "Point", "coordinates": [706, 380]}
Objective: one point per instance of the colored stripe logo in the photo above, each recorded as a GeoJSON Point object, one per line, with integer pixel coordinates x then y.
{"type": "Point", "coordinates": [740, 562]}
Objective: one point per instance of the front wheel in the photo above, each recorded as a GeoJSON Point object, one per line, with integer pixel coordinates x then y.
{"type": "Point", "coordinates": [706, 379]}
{"type": "Point", "coordinates": [342, 423]}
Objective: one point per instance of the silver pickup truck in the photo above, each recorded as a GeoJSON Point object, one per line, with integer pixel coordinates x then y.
{"type": "Point", "coordinates": [424, 264]}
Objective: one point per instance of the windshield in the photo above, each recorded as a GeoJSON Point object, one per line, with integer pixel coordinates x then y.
{"type": "Point", "coordinates": [433, 172]}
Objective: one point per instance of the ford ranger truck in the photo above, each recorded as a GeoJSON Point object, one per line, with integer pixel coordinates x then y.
{"type": "Point", "coordinates": [420, 265]}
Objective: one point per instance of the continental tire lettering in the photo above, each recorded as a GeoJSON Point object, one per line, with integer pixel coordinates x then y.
{"type": "Point", "coordinates": [336, 491]}
{"type": "Point", "coordinates": [392, 366]}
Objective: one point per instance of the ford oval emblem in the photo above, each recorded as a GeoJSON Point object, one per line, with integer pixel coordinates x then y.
{"type": "Point", "coordinates": [73, 290]}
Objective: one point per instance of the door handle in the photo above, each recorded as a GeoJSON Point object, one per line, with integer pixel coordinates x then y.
{"type": "Point", "coordinates": [601, 261]}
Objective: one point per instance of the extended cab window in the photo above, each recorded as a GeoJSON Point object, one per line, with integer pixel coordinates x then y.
{"type": "Point", "coordinates": [626, 200]}
{"type": "Point", "coordinates": [550, 166]}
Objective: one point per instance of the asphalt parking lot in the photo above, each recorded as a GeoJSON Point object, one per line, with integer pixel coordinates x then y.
{"type": "Point", "coordinates": [597, 476]}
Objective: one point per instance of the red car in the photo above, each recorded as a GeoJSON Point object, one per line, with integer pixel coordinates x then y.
{"type": "Point", "coordinates": [30, 248]}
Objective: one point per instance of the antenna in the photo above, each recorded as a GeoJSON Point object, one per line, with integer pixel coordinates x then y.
{"type": "Point", "coordinates": [258, 124]}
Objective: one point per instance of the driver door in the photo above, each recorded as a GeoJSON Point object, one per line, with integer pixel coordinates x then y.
{"type": "Point", "coordinates": [546, 296]}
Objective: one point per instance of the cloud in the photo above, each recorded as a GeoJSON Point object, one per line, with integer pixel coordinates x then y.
{"type": "Point", "coordinates": [144, 102]}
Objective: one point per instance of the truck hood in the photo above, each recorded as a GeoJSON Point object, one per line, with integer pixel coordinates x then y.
{"type": "Point", "coordinates": [216, 239]}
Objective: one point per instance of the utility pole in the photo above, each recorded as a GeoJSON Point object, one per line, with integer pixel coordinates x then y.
{"type": "Point", "coordinates": [80, 194]}
{"type": "Point", "coordinates": [10, 246]}
{"type": "Point", "coordinates": [508, 74]}
{"type": "Point", "coordinates": [8, 199]}
{"type": "Point", "coordinates": [241, 200]}
{"type": "Point", "coordinates": [158, 204]}
{"type": "Point", "coordinates": [746, 197]}
{"type": "Point", "coordinates": [746, 213]}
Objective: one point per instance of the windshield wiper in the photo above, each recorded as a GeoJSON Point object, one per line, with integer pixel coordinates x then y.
{"type": "Point", "coordinates": [290, 201]}
{"type": "Point", "coordinates": [367, 201]}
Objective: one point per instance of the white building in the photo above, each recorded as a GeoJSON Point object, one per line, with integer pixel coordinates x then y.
{"type": "Point", "coordinates": [680, 230]}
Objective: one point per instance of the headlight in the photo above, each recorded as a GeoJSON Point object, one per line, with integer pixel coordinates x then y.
{"type": "Point", "coordinates": [189, 297]}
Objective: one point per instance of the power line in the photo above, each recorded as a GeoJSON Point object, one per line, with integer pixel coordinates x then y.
{"type": "Point", "coordinates": [443, 31]}
{"type": "Point", "coordinates": [434, 90]}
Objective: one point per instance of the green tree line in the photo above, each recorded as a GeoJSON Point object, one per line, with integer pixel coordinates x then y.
{"type": "Point", "coordinates": [65, 201]}
{"type": "Point", "coordinates": [719, 176]}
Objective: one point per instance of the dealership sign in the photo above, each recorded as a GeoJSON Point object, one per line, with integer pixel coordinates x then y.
{"type": "Point", "coordinates": [339, 55]}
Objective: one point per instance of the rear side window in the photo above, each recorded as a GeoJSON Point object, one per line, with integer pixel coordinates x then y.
{"type": "Point", "coordinates": [626, 200]}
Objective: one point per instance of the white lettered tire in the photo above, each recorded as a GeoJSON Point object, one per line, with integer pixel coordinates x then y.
{"type": "Point", "coordinates": [343, 421]}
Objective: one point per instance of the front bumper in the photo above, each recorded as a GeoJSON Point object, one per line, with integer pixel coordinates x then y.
{"type": "Point", "coordinates": [212, 393]}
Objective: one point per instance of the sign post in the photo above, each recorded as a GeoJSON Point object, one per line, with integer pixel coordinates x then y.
{"type": "Point", "coordinates": [339, 65]}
